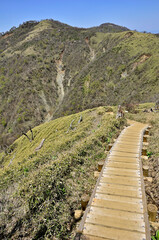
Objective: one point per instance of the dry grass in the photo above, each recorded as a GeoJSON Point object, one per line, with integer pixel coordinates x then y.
{"type": "Point", "coordinates": [40, 190]}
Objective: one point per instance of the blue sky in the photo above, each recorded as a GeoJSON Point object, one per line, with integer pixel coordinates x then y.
{"type": "Point", "coordinates": [134, 14]}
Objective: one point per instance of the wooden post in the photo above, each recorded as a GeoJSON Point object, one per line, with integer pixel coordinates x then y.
{"type": "Point", "coordinates": [152, 212]}
{"type": "Point", "coordinates": [145, 171]}
{"type": "Point", "coordinates": [110, 146]}
{"type": "Point", "coordinates": [144, 151]}
{"type": "Point", "coordinates": [145, 138]}
{"type": "Point", "coordinates": [84, 201]}
{"type": "Point", "coordinates": [146, 132]}
{"type": "Point", "coordinates": [100, 165]}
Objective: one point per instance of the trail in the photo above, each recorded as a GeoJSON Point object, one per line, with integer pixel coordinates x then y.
{"type": "Point", "coordinates": [117, 208]}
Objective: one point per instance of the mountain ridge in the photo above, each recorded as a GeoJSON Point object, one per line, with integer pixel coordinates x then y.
{"type": "Point", "coordinates": [89, 67]}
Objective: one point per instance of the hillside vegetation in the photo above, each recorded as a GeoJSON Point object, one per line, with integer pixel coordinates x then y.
{"type": "Point", "coordinates": [40, 189]}
{"type": "Point", "coordinates": [49, 69]}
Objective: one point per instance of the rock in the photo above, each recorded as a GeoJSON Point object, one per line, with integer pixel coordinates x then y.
{"type": "Point", "coordinates": [144, 157]}
{"type": "Point", "coordinates": [149, 179]}
{"type": "Point", "coordinates": [96, 174]}
{"type": "Point", "coordinates": [155, 225]}
{"type": "Point", "coordinates": [152, 212]}
{"type": "Point", "coordinates": [78, 214]}
{"type": "Point", "coordinates": [145, 144]}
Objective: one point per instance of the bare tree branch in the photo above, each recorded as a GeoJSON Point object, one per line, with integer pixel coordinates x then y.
{"type": "Point", "coordinates": [11, 160]}
{"type": "Point", "coordinates": [40, 146]}
{"type": "Point", "coordinates": [26, 136]}
{"type": "Point", "coordinates": [80, 120]}
{"type": "Point", "coordinates": [31, 133]}
{"type": "Point", "coordinates": [70, 127]}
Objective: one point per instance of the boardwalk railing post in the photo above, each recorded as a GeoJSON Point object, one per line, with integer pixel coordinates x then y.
{"type": "Point", "coordinates": [145, 171]}
{"type": "Point", "coordinates": [145, 138]}
{"type": "Point", "coordinates": [100, 165]}
{"type": "Point", "coordinates": [144, 151]}
{"type": "Point", "coordinates": [146, 132]}
{"type": "Point", "coordinates": [110, 146]}
{"type": "Point", "coordinates": [84, 201]}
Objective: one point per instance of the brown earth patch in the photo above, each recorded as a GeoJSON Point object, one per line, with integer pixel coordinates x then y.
{"type": "Point", "coordinates": [6, 35]}
{"type": "Point", "coordinates": [128, 34]}
{"type": "Point", "coordinates": [141, 59]}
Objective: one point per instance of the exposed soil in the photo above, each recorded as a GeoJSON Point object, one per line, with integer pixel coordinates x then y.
{"type": "Point", "coordinates": [60, 79]}
{"type": "Point", "coordinates": [92, 52]}
{"type": "Point", "coordinates": [142, 59]}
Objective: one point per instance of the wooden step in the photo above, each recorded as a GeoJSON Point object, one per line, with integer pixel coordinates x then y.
{"type": "Point", "coordinates": [111, 233]}
{"type": "Point", "coordinates": [115, 212]}
{"type": "Point", "coordinates": [124, 206]}
{"type": "Point", "coordinates": [115, 222]}
{"type": "Point", "coordinates": [121, 172]}
{"type": "Point", "coordinates": [89, 237]}
{"type": "Point", "coordinates": [114, 190]}
{"type": "Point", "coordinates": [123, 159]}
{"type": "Point", "coordinates": [124, 154]}
{"type": "Point", "coordinates": [121, 180]}
{"type": "Point", "coordinates": [105, 196]}
{"type": "Point", "coordinates": [122, 165]}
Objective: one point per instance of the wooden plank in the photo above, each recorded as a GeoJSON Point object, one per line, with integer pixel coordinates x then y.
{"type": "Point", "coordinates": [116, 212]}
{"type": "Point", "coordinates": [134, 161]}
{"type": "Point", "coordinates": [123, 159]}
{"type": "Point", "coordinates": [122, 154]}
{"type": "Point", "coordinates": [124, 206]}
{"type": "Point", "coordinates": [122, 165]}
{"type": "Point", "coordinates": [119, 186]}
{"type": "Point", "coordinates": [121, 172]}
{"type": "Point", "coordinates": [131, 134]}
{"type": "Point", "coordinates": [89, 237]}
{"type": "Point", "coordinates": [117, 198]}
{"type": "Point", "coordinates": [119, 191]}
{"type": "Point", "coordinates": [126, 143]}
{"type": "Point", "coordinates": [127, 148]}
{"type": "Point", "coordinates": [121, 180]}
{"type": "Point", "coordinates": [112, 233]}
{"type": "Point", "coordinates": [116, 222]}
{"type": "Point", "coordinates": [133, 140]}
{"type": "Point", "coordinates": [131, 137]}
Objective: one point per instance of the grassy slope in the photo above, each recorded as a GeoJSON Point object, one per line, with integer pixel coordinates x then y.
{"type": "Point", "coordinates": [120, 72]}
{"type": "Point", "coordinates": [40, 190]}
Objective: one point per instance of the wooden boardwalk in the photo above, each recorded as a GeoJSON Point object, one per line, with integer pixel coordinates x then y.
{"type": "Point", "coordinates": [117, 209]}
